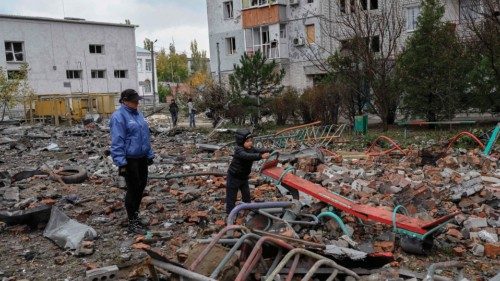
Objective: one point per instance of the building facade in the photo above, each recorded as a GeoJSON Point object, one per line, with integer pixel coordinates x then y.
{"type": "Point", "coordinates": [297, 33]}
{"type": "Point", "coordinates": [67, 56]}
{"type": "Point", "coordinates": [145, 72]}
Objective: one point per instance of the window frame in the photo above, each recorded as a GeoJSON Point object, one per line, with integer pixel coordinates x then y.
{"type": "Point", "coordinates": [371, 4]}
{"type": "Point", "coordinates": [231, 46]}
{"type": "Point", "coordinates": [139, 65]}
{"type": "Point", "coordinates": [228, 14]}
{"type": "Point", "coordinates": [414, 19]}
{"type": "Point", "coordinates": [97, 72]}
{"type": "Point", "coordinates": [310, 40]}
{"type": "Point", "coordinates": [13, 52]}
{"type": "Point", "coordinates": [148, 62]}
{"type": "Point", "coordinates": [101, 46]}
{"type": "Point", "coordinates": [70, 74]}
{"type": "Point", "coordinates": [119, 71]}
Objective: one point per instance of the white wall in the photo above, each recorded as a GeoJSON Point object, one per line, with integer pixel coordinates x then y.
{"type": "Point", "coordinates": [51, 48]}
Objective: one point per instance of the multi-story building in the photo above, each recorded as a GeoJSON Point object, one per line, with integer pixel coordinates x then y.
{"type": "Point", "coordinates": [145, 74]}
{"type": "Point", "coordinates": [297, 33]}
{"type": "Point", "coordinates": [70, 55]}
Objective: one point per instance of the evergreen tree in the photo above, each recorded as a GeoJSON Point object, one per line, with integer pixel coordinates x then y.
{"type": "Point", "coordinates": [256, 77]}
{"type": "Point", "coordinates": [432, 68]}
{"type": "Point", "coordinates": [198, 59]}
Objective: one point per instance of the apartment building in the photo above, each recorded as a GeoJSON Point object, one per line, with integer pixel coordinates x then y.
{"type": "Point", "coordinates": [68, 56]}
{"type": "Point", "coordinates": [145, 72]}
{"type": "Point", "coordinates": [296, 32]}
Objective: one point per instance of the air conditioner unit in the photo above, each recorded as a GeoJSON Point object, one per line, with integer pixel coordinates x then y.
{"type": "Point", "coordinates": [299, 41]}
{"type": "Point", "coordinates": [294, 2]}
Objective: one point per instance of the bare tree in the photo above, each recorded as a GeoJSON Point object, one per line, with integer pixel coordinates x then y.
{"type": "Point", "coordinates": [480, 24]}
{"type": "Point", "coordinates": [358, 46]}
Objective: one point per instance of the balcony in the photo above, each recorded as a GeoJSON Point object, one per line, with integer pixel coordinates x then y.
{"type": "Point", "coordinates": [263, 12]}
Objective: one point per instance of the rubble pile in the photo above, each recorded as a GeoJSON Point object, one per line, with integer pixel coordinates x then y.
{"type": "Point", "coordinates": [184, 206]}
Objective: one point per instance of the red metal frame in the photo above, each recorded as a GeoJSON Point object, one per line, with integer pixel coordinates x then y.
{"type": "Point", "coordinates": [363, 212]}
{"type": "Point", "coordinates": [395, 146]}
{"type": "Point", "coordinates": [462, 134]}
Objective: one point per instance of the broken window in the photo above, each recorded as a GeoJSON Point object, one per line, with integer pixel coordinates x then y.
{"type": "Point", "coordinates": [120, 74]}
{"type": "Point", "coordinates": [147, 86]}
{"type": "Point", "coordinates": [311, 33]}
{"type": "Point", "coordinates": [375, 44]}
{"type": "Point", "coordinates": [97, 73]}
{"type": "Point", "coordinates": [364, 4]}
{"type": "Point", "coordinates": [231, 45]}
{"type": "Point", "coordinates": [149, 66]}
{"type": "Point", "coordinates": [310, 1]}
{"type": "Point", "coordinates": [342, 6]}
{"type": "Point", "coordinates": [96, 49]}
{"type": "Point", "coordinates": [228, 10]}
{"type": "Point", "coordinates": [412, 14]}
{"type": "Point", "coordinates": [139, 65]}
{"type": "Point", "coordinates": [73, 74]}
{"type": "Point", "coordinates": [14, 51]}
{"type": "Point", "coordinates": [15, 75]}
{"type": "Point", "coordinates": [373, 4]}
{"type": "Point", "coordinates": [282, 31]}
{"type": "Point", "coordinates": [353, 6]}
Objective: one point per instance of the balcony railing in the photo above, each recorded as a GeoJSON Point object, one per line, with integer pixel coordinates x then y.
{"type": "Point", "coordinates": [247, 4]}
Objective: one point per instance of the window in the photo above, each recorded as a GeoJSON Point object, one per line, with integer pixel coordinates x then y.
{"type": "Point", "coordinates": [342, 6]}
{"type": "Point", "coordinates": [97, 73]}
{"type": "Point", "coordinates": [373, 4]}
{"type": "Point", "coordinates": [353, 6]}
{"type": "Point", "coordinates": [310, 1]}
{"type": "Point", "coordinates": [96, 49]}
{"type": "Point", "coordinates": [15, 75]}
{"type": "Point", "coordinates": [231, 45]}
{"type": "Point", "coordinates": [147, 87]}
{"type": "Point", "coordinates": [73, 74]}
{"type": "Point", "coordinates": [375, 44]}
{"type": "Point", "coordinates": [282, 31]}
{"type": "Point", "coordinates": [228, 10]}
{"type": "Point", "coordinates": [311, 33]}
{"type": "Point", "coordinates": [412, 14]}
{"type": "Point", "coordinates": [14, 51]}
{"type": "Point", "coordinates": [364, 4]}
{"type": "Point", "coordinates": [139, 65]}
{"type": "Point", "coordinates": [120, 74]}
{"type": "Point", "coordinates": [148, 65]}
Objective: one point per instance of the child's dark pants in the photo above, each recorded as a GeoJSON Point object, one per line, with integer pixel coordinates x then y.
{"type": "Point", "coordinates": [232, 186]}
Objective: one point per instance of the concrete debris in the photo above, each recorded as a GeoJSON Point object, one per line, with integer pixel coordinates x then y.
{"type": "Point", "coordinates": [181, 210]}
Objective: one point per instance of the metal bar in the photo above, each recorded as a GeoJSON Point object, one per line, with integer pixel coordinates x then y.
{"type": "Point", "coordinates": [291, 239]}
{"type": "Point", "coordinates": [212, 244]}
{"type": "Point", "coordinates": [275, 261]}
{"type": "Point", "coordinates": [152, 271]}
{"type": "Point", "coordinates": [493, 139]}
{"type": "Point", "coordinates": [293, 268]}
{"type": "Point", "coordinates": [299, 251]}
{"type": "Point", "coordinates": [337, 219]}
{"type": "Point", "coordinates": [181, 271]}
{"type": "Point", "coordinates": [256, 253]}
{"type": "Point", "coordinates": [252, 206]}
{"type": "Point", "coordinates": [174, 176]}
{"type": "Point", "coordinates": [231, 252]}
{"type": "Point", "coordinates": [317, 265]}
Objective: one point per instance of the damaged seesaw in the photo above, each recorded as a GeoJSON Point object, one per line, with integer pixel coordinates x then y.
{"type": "Point", "coordinates": [417, 234]}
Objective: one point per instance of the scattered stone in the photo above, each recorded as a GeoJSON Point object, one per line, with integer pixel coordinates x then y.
{"type": "Point", "coordinates": [478, 250]}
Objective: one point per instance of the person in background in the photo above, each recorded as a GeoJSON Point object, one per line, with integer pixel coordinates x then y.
{"type": "Point", "coordinates": [241, 165]}
{"type": "Point", "coordinates": [174, 111]}
{"type": "Point", "coordinates": [192, 112]}
{"type": "Point", "coordinates": [132, 153]}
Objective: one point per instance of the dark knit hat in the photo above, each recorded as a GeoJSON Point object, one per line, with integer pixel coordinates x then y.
{"type": "Point", "coordinates": [129, 95]}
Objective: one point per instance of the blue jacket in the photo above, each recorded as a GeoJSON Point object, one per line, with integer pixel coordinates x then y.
{"type": "Point", "coordinates": [129, 136]}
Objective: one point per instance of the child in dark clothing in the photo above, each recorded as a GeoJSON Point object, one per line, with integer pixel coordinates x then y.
{"type": "Point", "coordinates": [241, 165]}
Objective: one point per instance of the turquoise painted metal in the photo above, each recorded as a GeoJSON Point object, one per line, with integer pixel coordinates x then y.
{"type": "Point", "coordinates": [493, 139]}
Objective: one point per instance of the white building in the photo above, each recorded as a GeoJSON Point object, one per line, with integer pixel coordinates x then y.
{"type": "Point", "coordinates": [145, 74]}
{"type": "Point", "coordinates": [70, 55]}
{"type": "Point", "coordinates": [292, 31]}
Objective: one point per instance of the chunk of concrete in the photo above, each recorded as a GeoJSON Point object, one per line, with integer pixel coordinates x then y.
{"type": "Point", "coordinates": [475, 223]}
{"type": "Point", "coordinates": [103, 273]}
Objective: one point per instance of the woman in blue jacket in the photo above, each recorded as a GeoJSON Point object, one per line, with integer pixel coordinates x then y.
{"type": "Point", "coordinates": [132, 153]}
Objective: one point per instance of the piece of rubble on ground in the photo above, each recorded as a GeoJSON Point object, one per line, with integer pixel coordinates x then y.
{"type": "Point", "coordinates": [184, 205]}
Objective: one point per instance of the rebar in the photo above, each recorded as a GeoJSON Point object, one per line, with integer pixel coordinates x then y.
{"type": "Point", "coordinates": [231, 252]}
{"type": "Point", "coordinates": [181, 271]}
{"type": "Point", "coordinates": [252, 206]}
{"type": "Point", "coordinates": [317, 265]}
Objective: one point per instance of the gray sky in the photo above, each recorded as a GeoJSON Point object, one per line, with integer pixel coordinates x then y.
{"type": "Point", "coordinates": [165, 20]}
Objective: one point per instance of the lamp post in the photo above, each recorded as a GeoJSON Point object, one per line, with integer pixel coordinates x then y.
{"type": "Point", "coordinates": [153, 72]}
